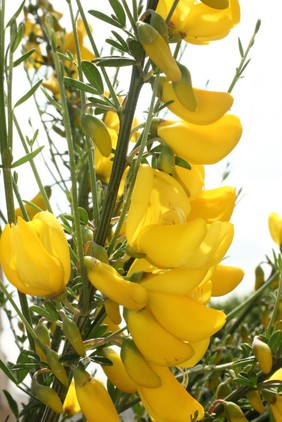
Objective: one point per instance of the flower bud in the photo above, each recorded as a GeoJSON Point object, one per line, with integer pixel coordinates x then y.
{"type": "Point", "coordinates": [255, 401]}
{"type": "Point", "coordinates": [56, 366]}
{"type": "Point", "coordinates": [43, 335]}
{"type": "Point", "coordinates": [158, 50]}
{"type": "Point", "coordinates": [71, 405]}
{"type": "Point", "coordinates": [159, 23]}
{"type": "Point", "coordinates": [93, 398]}
{"type": "Point", "coordinates": [48, 396]}
{"type": "Point", "coordinates": [275, 227]}
{"type": "Point", "coordinates": [97, 130]}
{"type": "Point", "coordinates": [166, 161]}
{"type": "Point", "coordinates": [116, 372]}
{"type": "Point", "coordinates": [263, 354]}
{"type": "Point", "coordinates": [73, 335]}
{"type": "Point", "coordinates": [35, 255]}
{"type": "Point", "coordinates": [259, 277]}
{"type": "Point", "coordinates": [233, 412]}
{"type": "Point", "coordinates": [184, 91]}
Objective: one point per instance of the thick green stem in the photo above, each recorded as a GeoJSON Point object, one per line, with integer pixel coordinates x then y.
{"type": "Point", "coordinates": [126, 119]}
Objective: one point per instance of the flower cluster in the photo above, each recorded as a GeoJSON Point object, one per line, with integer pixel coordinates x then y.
{"type": "Point", "coordinates": [145, 243]}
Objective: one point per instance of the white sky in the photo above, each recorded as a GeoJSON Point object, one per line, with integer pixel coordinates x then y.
{"type": "Point", "coordinates": [256, 161]}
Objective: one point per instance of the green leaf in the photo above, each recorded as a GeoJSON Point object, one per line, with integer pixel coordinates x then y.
{"type": "Point", "coordinates": [25, 362]}
{"type": "Point", "coordinates": [83, 215]}
{"type": "Point", "coordinates": [27, 157]}
{"type": "Point", "coordinates": [16, 14]}
{"type": "Point", "coordinates": [29, 93]}
{"type": "Point", "coordinates": [40, 311]}
{"type": "Point", "coordinates": [240, 48]}
{"type": "Point", "coordinates": [7, 371]}
{"type": "Point", "coordinates": [12, 403]}
{"type": "Point", "coordinates": [51, 309]}
{"type": "Point", "coordinates": [93, 76]}
{"type": "Point", "coordinates": [23, 57]}
{"type": "Point", "coordinates": [105, 18]}
{"type": "Point", "coordinates": [118, 9]}
{"type": "Point", "coordinates": [17, 39]}
{"type": "Point", "coordinates": [115, 61]}
{"type": "Point", "coordinates": [73, 83]}
{"type": "Point", "coordinates": [116, 45]}
{"type": "Point", "coordinates": [121, 40]}
{"type": "Point", "coordinates": [182, 163]}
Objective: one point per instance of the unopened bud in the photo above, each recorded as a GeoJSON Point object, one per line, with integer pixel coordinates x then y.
{"type": "Point", "coordinates": [73, 335]}
{"type": "Point", "coordinates": [263, 354]}
{"type": "Point", "coordinates": [233, 412]}
{"type": "Point", "coordinates": [48, 396]}
{"type": "Point", "coordinates": [158, 50]}
{"type": "Point", "coordinates": [56, 366]}
{"type": "Point", "coordinates": [255, 401]}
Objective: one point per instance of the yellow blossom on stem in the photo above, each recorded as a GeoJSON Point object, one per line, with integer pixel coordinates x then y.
{"type": "Point", "coordinates": [211, 105]}
{"type": "Point", "coordinates": [170, 402]}
{"type": "Point", "coordinates": [225, 278]}
{"type": "Point", "coordinates": [35, 255]}
{"type": "Point", "coordinates": [206, 144]}
{"type": "Point", "coordinates": [71, 406]}
{"type": "Point", "coordinates": [275, 227]}
{"type": "Point", "coordinates": [198, 23]}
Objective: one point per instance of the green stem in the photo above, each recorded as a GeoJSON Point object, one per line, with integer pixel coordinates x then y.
{"type": "Point", "coordinates": [6, 151]}
{"type": "Point", "coordinates": [252, 298]}
{"type": "Point", "coordinates": [72, 164]}
{"type": "Point", "coordinates": [137, 163]}
{"type": "Point", "coordinates": [243, 64]}
{"type": "Point", "coordinates": [126, 118]}
{"type": "Point", "coordinates": [277, 302]}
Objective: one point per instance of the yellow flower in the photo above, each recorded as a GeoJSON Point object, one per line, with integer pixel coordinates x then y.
{"type": "Point", "coordinates": [197, 23]}
{"type": "Point", "coordinates": [211, 105]}
{"type": "Point", "coordinates": [157, 225]}
{"type": "Point", "coordinates": [35, 255]}
{"type": "Point", "coordinates": [275, 227]}
{"type": "Point", "coordinates": [200, 144]}
{"type": "Point", "coordinates": [225, 278]}
{"type": "Point", "coordinates": [71, 406]}
{"type": "Point", "coordinates": [170, 402]}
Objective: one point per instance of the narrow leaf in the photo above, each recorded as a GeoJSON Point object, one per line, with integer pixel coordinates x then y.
{"type": "Point", "coordinates": [8, 372]}
{"type": "Point", "coordinates": [105, 18]}
{"type": "Point", "coordinates": [118, 9]}
{"type": "Point", "coordinates": [240, 48]}
{"type": "Point", "coordinates": [182, 163]}
{"type": "Point", "coordinates": [23, 57]}
{"type": "Point", "coordinates": [16, 14]}
{"type": "Point", "coordinates": [116, 45]}
{"type": "Point", "coordinates": [29, 93]}
{"type": "Point", "coordinates": [12, 403]}
{"type": "Point", "coordinates": [73, 83]}
{"type": "Point", "coordinates": [27, 157]}
{"type": "Point", "coordinates": [115, 61]}
{"type": "Point", "coordinates": [121, 40]}
{"type": "Point", "coordinates": [93, 76]}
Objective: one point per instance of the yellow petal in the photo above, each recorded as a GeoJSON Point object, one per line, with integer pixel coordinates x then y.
{"type": "Point", "coordinates": [170, 402]}
{"type": "Point", "coordinates": [225, 279]}
{"type": "Point", "coordinates": [202, 144]}
{"type": "Point", "coordinates": [185, 318]}
{"type": "Point", "coordinates": [212, 105]}
{"type": "Point", "coordinates": [171, 246]}
{"type": "Point", "coordinates": [275, 227]}
{"type": "Point", "coordinates": [214, 204]}
{"type": "Point", "coordinates": [200, 349]}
